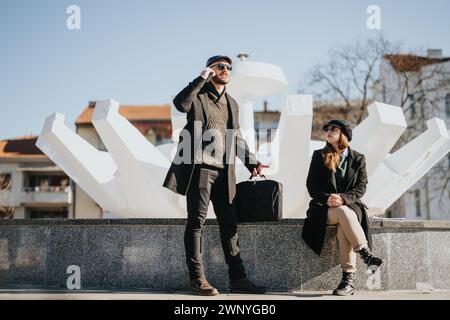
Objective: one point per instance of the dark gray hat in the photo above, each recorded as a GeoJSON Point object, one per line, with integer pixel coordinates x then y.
{"type": "Point", "coordinates": [217, 58]}
{"type": "Point", "coordinates": [341, 124]}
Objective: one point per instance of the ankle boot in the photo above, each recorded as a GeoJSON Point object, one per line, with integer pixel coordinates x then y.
{"type": "Point", "coordinates": [202, 287]}
{"type": "Point", "coordinates": [246, 286]}
{"type": "Point", "coordinates": [370, 260]}
{"type": "Point", "coordinates": [346, 287]}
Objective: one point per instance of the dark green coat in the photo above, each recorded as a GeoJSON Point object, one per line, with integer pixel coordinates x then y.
{"type": "Point", "coordinates": [321, 182]}
{"type": "Point", "coordinates": [192, 100]}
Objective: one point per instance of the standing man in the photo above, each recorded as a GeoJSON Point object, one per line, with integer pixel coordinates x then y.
{"type": "Point", "coordinates": [205, 171]}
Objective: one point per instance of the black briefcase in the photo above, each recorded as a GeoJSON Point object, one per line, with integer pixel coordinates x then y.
{"type": "Point", "coordinates": [259, 200]}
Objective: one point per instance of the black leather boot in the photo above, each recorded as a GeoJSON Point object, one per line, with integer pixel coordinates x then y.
{"type": "Point", "coordinates": [370, 260]}
{"type": "Point", "coordinates": [346, 287]}
{"type": "Point", "coordinates": [246, 286]}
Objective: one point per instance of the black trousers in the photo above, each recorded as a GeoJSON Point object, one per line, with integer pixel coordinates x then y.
{"type": "Point", "coordinates": [210, 184]}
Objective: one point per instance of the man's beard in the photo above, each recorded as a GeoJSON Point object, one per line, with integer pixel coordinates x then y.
{"type": "Point", "coordinates": [218, 80]}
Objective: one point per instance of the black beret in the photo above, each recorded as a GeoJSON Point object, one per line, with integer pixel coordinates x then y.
{"type": "Point", "coordinates": [213, 59]}
{"type": "Point", "coordinates": [341, 124]}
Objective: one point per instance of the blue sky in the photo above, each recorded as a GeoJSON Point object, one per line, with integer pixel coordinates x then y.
{"type": "Point", "coordinates": [144, 52]}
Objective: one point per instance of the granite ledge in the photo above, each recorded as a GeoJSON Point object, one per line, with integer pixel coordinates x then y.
{"type": "Point", "coordinates": [397, 224]}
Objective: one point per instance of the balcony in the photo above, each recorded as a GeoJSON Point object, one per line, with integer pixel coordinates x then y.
{"type": "Point", "coordinates": [47, 195]}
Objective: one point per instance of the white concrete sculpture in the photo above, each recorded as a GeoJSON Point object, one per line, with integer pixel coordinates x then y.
{"type": "Point", "coordinates": [127, 180]}
{"type": "Point", "coordinates": [400, 170]}
{"type": "Point", "coordinates": [290, 153]}
{"type": "Point", "coordinates": [253, 79]}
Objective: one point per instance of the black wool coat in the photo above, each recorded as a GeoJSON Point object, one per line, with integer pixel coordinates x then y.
{"type": "Point", "coordinates": [193, 101]}
{"type": "Point", "coordinates": [321, 182]}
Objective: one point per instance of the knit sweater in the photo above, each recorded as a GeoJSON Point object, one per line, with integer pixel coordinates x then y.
{"type": "Point", "coordinates": [214, 152]}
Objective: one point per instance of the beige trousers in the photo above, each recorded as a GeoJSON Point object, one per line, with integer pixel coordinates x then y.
{"type": "Point", "coordinates": [350, 235]}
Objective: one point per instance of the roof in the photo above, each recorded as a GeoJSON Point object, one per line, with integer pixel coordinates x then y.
{"type": "Point", "coordinates": [409, 62]}
{"type": "Point", "coordinates": [40, 169]}
{"type": "Point", "coordinates": [20, 147]}
{"type": "Point", "coordinates": [131, 113]}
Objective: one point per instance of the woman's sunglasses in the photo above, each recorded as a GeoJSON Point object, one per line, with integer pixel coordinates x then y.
{"type": "Point", "coordinates": [222, 66]}
{"type": "Point", "coordinates": [331, 129]}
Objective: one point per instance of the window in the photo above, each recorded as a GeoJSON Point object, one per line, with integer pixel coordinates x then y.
{"type": "Point", "coordinates": [46, 183]}
{"type": "Point", "coordinates": [47, 213]}
{"type": "Point", "coordinates": [417, 201]}
{"type": "Point", "coordinates": [447, 105]}
{"type": "Point", "coordinates": [5, 181]}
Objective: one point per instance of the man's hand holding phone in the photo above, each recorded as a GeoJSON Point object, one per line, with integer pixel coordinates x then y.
{"type": "Point", "coordinates": [207, 73]}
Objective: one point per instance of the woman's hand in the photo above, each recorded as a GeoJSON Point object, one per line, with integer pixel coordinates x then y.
{"type": "Point", "coordinates": [335, 200]}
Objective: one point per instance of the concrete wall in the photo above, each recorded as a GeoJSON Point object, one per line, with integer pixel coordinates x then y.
{"type": "Point", "coordinates": [12, 197]}
{"type": "Point", "coordinates": [19, 213]}
{"type": "Point", "coordinates": [148, 253]}
{"type": "Point", "coordinates": [434, 200]}
{"type": "Point", "coordinates": [85, 207]}
{"type": "Point", "coordinates": [89, 134]}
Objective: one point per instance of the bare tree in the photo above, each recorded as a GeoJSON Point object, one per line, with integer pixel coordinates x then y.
{"type": "Point", "coordinates": [350, 74]}
{"type": "Point", "coordinates": [423, 84]}
{"type": "Point", "coordinates": [352, 77]}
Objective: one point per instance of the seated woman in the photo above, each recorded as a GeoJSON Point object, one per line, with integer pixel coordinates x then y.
{"type": "Point", "coordinates": [337, 180]}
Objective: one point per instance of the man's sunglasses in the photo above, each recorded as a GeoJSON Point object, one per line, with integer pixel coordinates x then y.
{"type": "Point", "coordinates": [222, 66]}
